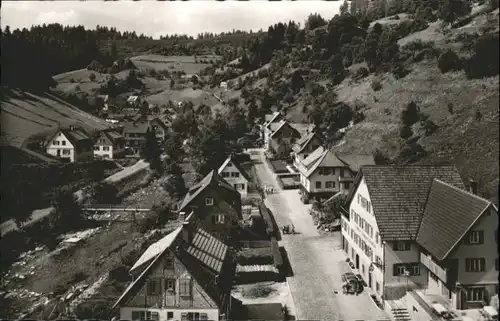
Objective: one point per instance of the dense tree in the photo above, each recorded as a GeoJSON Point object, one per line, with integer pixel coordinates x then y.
{"type": "Point", "coordinates": [67, 212]}
{"type": "Point", "coordinates": [315, 20]}
{"type": "Point", "coordinates": [151, 151]}
{"type": "Point", "coordinates": [173, 183]}
{"type": "Point", "coordinates": [344, 8]}
{"type": "Point", "coordinates": [410, 115]}
{"type": "Point", "coordinates": [104, 193]}
{"type": "Point", "coordinates": [451, 10]}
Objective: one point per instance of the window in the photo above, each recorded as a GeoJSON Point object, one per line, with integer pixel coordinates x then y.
{"type": "Point", "coordinates": [398, 269]}
{"type": "Point", "coordinates": [347, 185]}
{"type": "Point", "coordinates": [96, 147]}
{"type": "Point", "coordinates": [475, 238]}
{"type": "Point", "coordinates": [474, 265]}
{"type": "Point", "coordinates": [318, 184]}
{"type": "Point", "coordinates": [415, 268]}
{"type": "Point", "coordinates": [475, 294]}
{"type": "Point", "coordinates": [377, 286]}
{"type": "Point", "coordinates": [225, 174]}
{"type": "Point", "coordinates": [55, 142]}
{"type": "Point", "coordinates": [185, 287]}
{"type": "Point", "coordinates": [235, 174]}
{"type": "Point", "coordinates": [170, 285]}
{"type": "Point", "coordinates": [209, 201]}
{"type": "Point", "coordinates": [145, 315]}
{"type": "Point", "coordinates": [378, 260]}
{"type": "Point", "coordinates": [63, 143]}
{"type": "Point", "coordinates": [169, 263]}
{"type": "Point", "coordinates": [170, 315]}
{"type": "Point", "coordinates": [402, 246]}
{"type": "Point", "coordinates": [220, 219]}
{"type": "Point", "coordinates": [330, 184]}
{"type": "Point", "coordinates": [376, 237]}
{"type": "Point", "coordinates": [66, 152]}
{"type": "Point", "coordinates": [105, 148]}
{"type": "Point", "coordinates": [193, 316]}
{"type": "Point", "coordinates": [153, 287]}
{"type": "Point", "coordinates": [341, 172]}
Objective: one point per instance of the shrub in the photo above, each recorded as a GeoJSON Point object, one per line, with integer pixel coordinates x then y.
{"type": "Point", "coordinates": [380, 158]}
{"type": "Point", "coordinates": [411, 114]}
{"type": "Point", "coordinates": [450, 108]}
{"type": "Point", "coordinates": [448, 61]}
{"type": "Point", "coordinates": [92, 77]}
{"type": "Point", "coordinates": [362, 72]}
{"type": "Point", "coordinates": [275, 249]}
{"type": "Point", "coordinates": [72, 80]}
{"type": "Point", "coordinates": [376, 85]}
{"type": "Point", "coordinates": [405, 132]}
{"type": "Point", "coordinates": [430, 127]}
{"type": "Point", "coordinates": [484, 62]}
{"type": "Point", "coordinates": [400, 71]}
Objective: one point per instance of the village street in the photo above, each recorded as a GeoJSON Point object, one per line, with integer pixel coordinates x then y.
{"type": "Point", "coordinates": [317, 261]}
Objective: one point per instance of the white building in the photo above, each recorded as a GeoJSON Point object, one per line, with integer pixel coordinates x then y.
{"type": "Point", "coordinates": [235, 175]}
{"type": "Point", "coordinates": [109, 145]}
{"type": "Point", "coordinates": [71, 143]}
{"type": "Point", "coordinates": [383, 232]}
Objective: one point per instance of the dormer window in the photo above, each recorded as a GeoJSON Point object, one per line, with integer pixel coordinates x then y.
{"type": "Point", "coordinates": [209, 201]}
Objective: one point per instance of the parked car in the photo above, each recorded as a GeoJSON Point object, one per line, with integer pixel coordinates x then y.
{"type": "Point", "coordinates": [351, 284]}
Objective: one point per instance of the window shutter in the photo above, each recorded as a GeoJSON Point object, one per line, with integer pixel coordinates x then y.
{"type": "Point", "coordinates": [481, 237]}
{"type": "Point", "coordinates": [395, 269]}
{"type": "Point", "coordinates": [483, 264]}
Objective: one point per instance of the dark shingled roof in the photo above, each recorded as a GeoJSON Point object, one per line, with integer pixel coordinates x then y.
{"type": "Point", "coordinates": [450, 212]}
{"type": "Point", "coordinates": [212, 179]}
{"type": "Point", "coordinates": [207, 259]}
{"type": "Point", "coordinates": [399, 193]}
{"type": "Point", "coordinates": [236, 164]}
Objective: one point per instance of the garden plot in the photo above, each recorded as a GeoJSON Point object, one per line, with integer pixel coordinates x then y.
{"type": "Point", "coordinates": [174, 63]}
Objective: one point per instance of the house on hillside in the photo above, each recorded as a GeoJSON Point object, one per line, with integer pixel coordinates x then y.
{"type": "Point", "coordinates": [105, 100]}
{"type": "Point", "coordinates": [282, 139]}
{"type": "Point", "coordinates": [266, 130]}
{"type": "Point", "coordinates": [159, 127]}
{"type": "Point", "coordinates": [134, 101]}
{"type": "Point", "coordinates": [135, 135]}
{"type": "Point", "coordinates": [70, 143]}
{"type": "Point", "coordinates": [187, 275]}
{"type": "Point", "coordinates": [215, 202]}
{"type": "Point", "coordinates": [235, 175]}
{"type": "Point", "coordinates": [412, 228]}
{"type": "Point", "coordinates": [325, 173]}
{"type": "Point", "coordinates": [109, 144]}
{"type": "Point", "coordinates": [307, 144]}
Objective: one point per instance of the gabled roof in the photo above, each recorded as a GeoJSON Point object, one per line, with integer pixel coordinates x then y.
{"type": "Point", "coordinates": [398, 195]}
{"type": "Point", "coordinates": [206, 259]}
{"type": "Point", "coordinates": [328, 158]}
{"type": "Point", "coordinates": [449, 214]}
{"type": "Point", "coordinates": [283, 124]}
{"type": "Point", "coordinates": [272, 119]}
{"type": "Point", "coordinates": [132, 99]}
{"type": "Point", "coordinates": [75, 135]}
{"type": "Point", "coordinates": [113, 136]}
{"type": "Point", "coordinates": [304, 141]}
{"type": "Point", "coordinates": [212, 179]}
{"type": "Point", "coordinates": [236, 164]}
{"type": "Point", "coordinates": [156, 249]}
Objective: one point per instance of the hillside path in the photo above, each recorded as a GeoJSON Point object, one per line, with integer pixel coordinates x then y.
{"type": "Point", "coordinates": [37, 215]}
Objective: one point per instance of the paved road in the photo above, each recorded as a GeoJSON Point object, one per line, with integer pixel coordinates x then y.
{"type": "Point", "coordinates": [10, 225]}
{"type": "Point", "coordinates": [317, 261]}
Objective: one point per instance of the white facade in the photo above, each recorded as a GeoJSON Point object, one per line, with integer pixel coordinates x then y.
{"type": "Point", "coordinates": [364, 245]}
{"type": "Point", "coordinates": [169, 314]}
{"type": "Point", "coordinates": [105, 151]}
{"type": "Point", "coordinates": [60, 146]}
{"type": "Point", "coordinates": [234, 177]}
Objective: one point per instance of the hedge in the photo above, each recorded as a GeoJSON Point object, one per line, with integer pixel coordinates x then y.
{"type": "Point", "coordinates": [270, 227]}
{"type": "Point", "coordinates": [275, 249]}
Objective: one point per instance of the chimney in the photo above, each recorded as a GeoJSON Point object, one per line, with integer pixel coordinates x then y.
{"type": "Point", "coordinates": [186, 232]}
{"type": "Point", "coordinates": [472, 186]}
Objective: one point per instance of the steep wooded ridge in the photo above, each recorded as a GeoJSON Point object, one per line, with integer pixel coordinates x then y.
{"type": "Point", "coordinates": [417, 79]}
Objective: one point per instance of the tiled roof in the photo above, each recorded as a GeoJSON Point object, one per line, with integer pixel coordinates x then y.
{"type": "Point", "coordinates": [235, 164]}
{"type": "Point", "coordinates": [449, 214]}
{"type": "Point", "coordinates": [206, 259]}
{"type": "Point", "coordinates": [355, 162]}
{"type": "Point", "coordinates": [75, 135]}
{"type": "Point", "coordinates": [309, 160]}
{"type": "Point", "coordinates": [282, 124]}
{"type": "Point", "coordinates": [208, 250]}
{"type": "Point", "coordinates": [272, 119]}
{"type": "Point", "coordinates": [113, 136]}
{"type": "Point", "coordinates": [398, 195]}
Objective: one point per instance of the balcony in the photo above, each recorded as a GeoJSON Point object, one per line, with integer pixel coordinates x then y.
{"type": "Point", "coordinates": [432, 266]}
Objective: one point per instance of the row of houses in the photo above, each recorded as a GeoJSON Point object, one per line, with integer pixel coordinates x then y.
{"type": "Point", "coordinates": [188, 274]}
{"type": "Point", "coordinates": [75, 144]}
{"type": "Point", "coordinates": [406, 228]}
